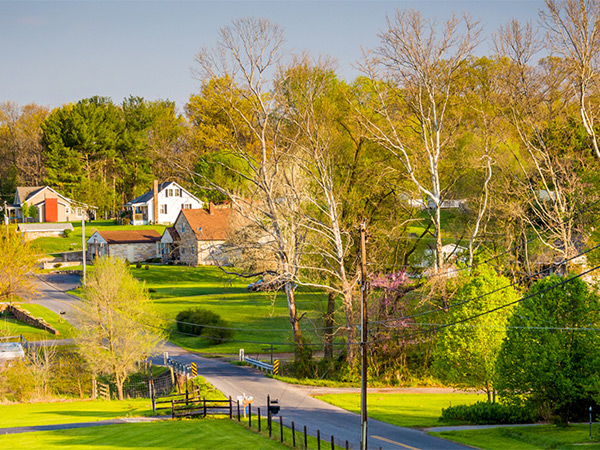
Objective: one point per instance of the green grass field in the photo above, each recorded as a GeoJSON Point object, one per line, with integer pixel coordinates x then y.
{"type": "Point", "coordinates": [261, 318]}
{"type": "Point", "coordinates": [543, 437]}
{"type": "Point", "coordinates": [51, 245]}
{"type": "Point", "coordinates": [185, 434]}
{"type": "Point", "coordinates": [25, 414]}
{"type": "Point", "coordinates": [405, 410]}
{"type": "Point", "coordinates": [11, 327]}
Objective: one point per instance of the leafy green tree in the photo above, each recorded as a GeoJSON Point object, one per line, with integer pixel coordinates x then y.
{"type": "Point", "coordinates": [18, 261]}
{"type": "Point", "coordinates": [549, 360]}
{"type": "Point", "coordinates": [465, 354]}
{"type": "Point", "coordinates": [117, 325]}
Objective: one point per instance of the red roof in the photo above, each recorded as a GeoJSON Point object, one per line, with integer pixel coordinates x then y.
{"type": "Point", "coordinates": [209, 227]}
{"type": "Point", "coordinates": [130, 236]}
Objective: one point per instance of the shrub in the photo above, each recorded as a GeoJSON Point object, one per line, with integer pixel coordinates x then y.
{"type": "Point", "coordinates": [67, 233]}
{"type": "Point", "coordinates": [138, 265]}
{"type": "Point", "coordinates": [147, 267]}
{"type": "Point", "coordinates": [485, 413]}
{"type": "Point", "coordinates": [205, 323]}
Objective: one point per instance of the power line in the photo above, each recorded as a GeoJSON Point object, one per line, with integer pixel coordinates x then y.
{"type": "Point", "coordinates": [423, 313]}
{"type": "Point", "coordinates": [440, 327]}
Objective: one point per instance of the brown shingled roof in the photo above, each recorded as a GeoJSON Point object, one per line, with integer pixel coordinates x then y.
{"type": "Point", "coordinates": [209, 227]}
{"type": "Point", "coordinates": [130, 236]}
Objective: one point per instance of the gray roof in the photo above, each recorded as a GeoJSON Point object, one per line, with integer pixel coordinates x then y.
{"type": "Point", "coordinates": [145, 198]}
{"type": "Point", "coordinates": [26, 191]}
{"type": "Point", "coordinates": [37, 227]}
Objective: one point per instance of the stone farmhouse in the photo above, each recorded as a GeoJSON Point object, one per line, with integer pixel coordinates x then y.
{"type": "Point", "coordinates": [161, 204]}
{"type": "Point", "coordinates": [133, 245]}
{"type": "Point", "coordinates": [199, 235]}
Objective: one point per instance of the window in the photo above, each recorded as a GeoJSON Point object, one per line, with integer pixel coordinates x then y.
{"type": "Point", "coordinates": [67, 210]}
{"type": "Point", "coordinates": [183, 227]}
{"type": "Point", "coordinates": [183, 251]}
{"type": "Point", "coordinates": [169, 193]}
{"type": "Point", "coordinates": [177, 192]}
{"type": "Point", "coordinates": [163, 209]}
{"type": "Point", "coordinates": [186, 206]}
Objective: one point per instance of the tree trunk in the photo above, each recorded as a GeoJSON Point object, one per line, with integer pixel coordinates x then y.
{"type": "Point", "coordinates": [328, 347]}
{"type": "Point", "coordinates": [294, 321]}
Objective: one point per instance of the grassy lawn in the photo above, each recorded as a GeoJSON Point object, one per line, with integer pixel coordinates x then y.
{"type": "Point", "coordinates": [25, 414]}
{"type": "Point", "coordinates": [405, 410]}
{"type": "Point", "coordinates": [528, 438]}
{"type": "Point", "coordinates": [51, 245]}
{"type": "Point", "coordinates": [11, 327]}
{"type": "Point", "coordinates": [261, 318]}
{"type": "Point", "coordinates": [184, 434]}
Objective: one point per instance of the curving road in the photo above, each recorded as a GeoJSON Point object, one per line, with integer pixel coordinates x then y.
{"type": "Point", "coordinates": [296, 403]}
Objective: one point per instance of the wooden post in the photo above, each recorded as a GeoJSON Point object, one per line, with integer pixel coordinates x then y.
{"type": "Point", "coordinates": [259, 420]}
{"type": "Point", "coordinates": [230, 408]}
{"type": "Point", "coordinates": [250, 415]}
{"type": "Point", "coordinates": [318, 439]}
{"type": "Point", "coordinates": [204, 406]}
{"type": "Point", "coordinates": [332, 443]}
{"type": "Point", "coordinates": [305, 439]}
{"type": "Point", "coordinates": [238, 403]}
{"type": "Point", "coordinates": [347, 446]}
{"type": "Point", "coordinates": [281, 427]}
{"type": "Point", "coordinates": [172, 409]}
{"type": "Point", "coordinates": [293, 435]}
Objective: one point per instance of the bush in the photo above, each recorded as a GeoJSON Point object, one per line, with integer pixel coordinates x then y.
{"type": "Point", "coordinates": [485, 413]}
{"type": "Point", "coordinates": [205, 323]}
{"type": "Point", "coordinates": [147, 267]}
{"type": "Point", "coordinates": [138, 265]}
{"type": "Point", "coordinates": [67, 233]}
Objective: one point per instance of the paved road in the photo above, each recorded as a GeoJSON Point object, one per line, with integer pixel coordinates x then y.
{"type": "Point", "coordinates": [296, 403]}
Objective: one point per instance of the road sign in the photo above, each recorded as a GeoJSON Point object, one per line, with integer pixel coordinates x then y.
{"type": "Point", "coordinates": [194, 369]}
{"type": "Point", "coordinates": [276, 367]}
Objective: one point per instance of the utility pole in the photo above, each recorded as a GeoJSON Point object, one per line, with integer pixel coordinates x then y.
{"type": "Point", "coordinates": [363, 338]}
{"type": "Point", "coordinates": [83, 245]}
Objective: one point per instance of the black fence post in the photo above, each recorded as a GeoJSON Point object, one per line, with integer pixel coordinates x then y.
{"type": "Point", "coordinates": [230, 408]}
{"type": "Point", "coordinates": [332, 443]}
{"type": "Point", "coordinates": [172, 409]}
{"type": "Point", "coordinates": [293, 435]}
{"type": "Point", "coordinates": [250, 415]}
{"type": "Point", "coordinates": [318, 439]}
{"type": "Point", "coordinates": [238, 403]}
{"type": "Point", "coordinates": [204, 406]}
{"type": "Point", "coordinates": [281, 427]}
{"type": "Point", "coordinates": [305, 439]}
{"type": "Point", "coordinates": [347, 446]}
{"type": "Point", "coordinates": [259, 420]}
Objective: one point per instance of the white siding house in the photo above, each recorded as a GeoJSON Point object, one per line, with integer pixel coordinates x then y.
{"type": "Point", "coordinates": [161, 204]}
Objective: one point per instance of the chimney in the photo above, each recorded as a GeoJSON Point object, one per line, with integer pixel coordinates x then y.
{"type": "Point", "coordinates": [155, 199]}
{"type": "Point", "coordinates": [211, 208]}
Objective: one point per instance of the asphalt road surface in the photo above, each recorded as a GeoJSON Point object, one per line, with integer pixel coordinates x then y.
{"type": "Point", "coordinates": [296, 403]}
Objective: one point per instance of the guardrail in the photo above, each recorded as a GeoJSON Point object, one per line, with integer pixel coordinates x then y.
{"type": "Point", "coordinates": [259, 364]}
{"type": "Point", "coordinates": [178, 367]}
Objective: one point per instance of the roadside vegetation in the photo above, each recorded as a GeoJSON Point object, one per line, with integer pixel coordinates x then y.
{"type": "Point", "coordinates": [13, 327]}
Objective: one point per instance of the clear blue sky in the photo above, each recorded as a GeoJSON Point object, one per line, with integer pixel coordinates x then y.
{"type": "Point", "coordinates": [56, 52]}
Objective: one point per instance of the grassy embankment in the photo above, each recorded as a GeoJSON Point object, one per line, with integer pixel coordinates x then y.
{"type": "Point", "coordinates": [12, 327]}
{"type": "Point", "coordinates": [404, 410]}
{"type": "Point", "coordinates": [543, 437]}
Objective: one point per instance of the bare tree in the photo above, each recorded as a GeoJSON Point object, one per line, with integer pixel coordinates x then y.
{"type": "Point", "coordinates": [236, 77]}
{"type": "Point", "coordinates": [574, 33]}
{"type": "Point", "coordinates": [117, 328]}
{"type": "Point", "coordinates": [536, 98]}
{"type": "Point", "coordinates": [310, 103]}
{"type": "Point", "coordinates": [416, 81]}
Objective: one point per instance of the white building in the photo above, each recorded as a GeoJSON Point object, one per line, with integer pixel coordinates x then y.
{"type": "Point", "coordinates": [161, 204]}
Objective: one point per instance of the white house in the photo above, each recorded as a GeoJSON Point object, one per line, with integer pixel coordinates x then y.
{"type": "Point", "coordinates": [161, 204]}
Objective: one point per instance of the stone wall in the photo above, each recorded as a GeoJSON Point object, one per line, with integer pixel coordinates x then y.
{"type": "Point", "coordinates": [31, 235]}
{"type": "Point", "coordinates": [141, 251]}
{"type": "Point", "coordinates": [24, 316]}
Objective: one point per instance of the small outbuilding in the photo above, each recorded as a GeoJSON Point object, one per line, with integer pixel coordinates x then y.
{"type": "Point", "coordinates": [30, 231]}
{"type": "Point", "coordinates": [133, 245]}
